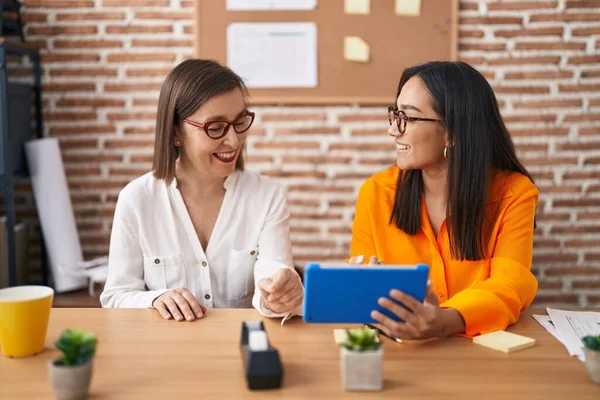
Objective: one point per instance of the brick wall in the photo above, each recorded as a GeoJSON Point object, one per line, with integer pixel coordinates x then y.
{"type": "Point", "coordinates": [104, 61]}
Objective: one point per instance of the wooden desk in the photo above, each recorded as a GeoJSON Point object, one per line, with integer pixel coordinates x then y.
{"type": "Point", "coordinates": [142, 356]}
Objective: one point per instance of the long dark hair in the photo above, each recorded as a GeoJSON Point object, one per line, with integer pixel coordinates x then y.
{"type": "Point", "coordinates": [479, 144]}
{"type": "Point", "coordinates": [187, 87]}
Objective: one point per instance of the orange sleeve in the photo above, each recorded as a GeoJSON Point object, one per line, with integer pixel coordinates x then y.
{"type": "Point", "coordinates": [497, 302]}
{"type": "Point", "coordinates": [362, 233]}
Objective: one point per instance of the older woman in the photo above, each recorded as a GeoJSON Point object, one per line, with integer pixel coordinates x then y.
{"type": "Point", "coordinates": [199, 231]}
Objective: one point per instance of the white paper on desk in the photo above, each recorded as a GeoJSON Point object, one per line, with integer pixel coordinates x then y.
{"type": "Point", "coordinates": [572, 326]}
{"type": "Point", "coordinates": [572, 348]}
{"type": "Point", "coordinates": [262, 5]}
{"type": "Point", "coordinates": [546, 322]}
{"type": "Point", "coordinates": [273, 55]}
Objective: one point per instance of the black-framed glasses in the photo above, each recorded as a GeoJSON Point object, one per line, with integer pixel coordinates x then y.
{"type": "Point", "coordinates": [401, 119]}
{"type": "Point", "coordinates": [218, 129]}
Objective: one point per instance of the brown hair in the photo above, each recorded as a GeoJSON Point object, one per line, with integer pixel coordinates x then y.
{"type": "Point", "coordinates": [187, 87]}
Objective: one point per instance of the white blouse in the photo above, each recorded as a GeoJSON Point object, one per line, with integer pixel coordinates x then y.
{"type": "Point", "coordinates": [154, 246]}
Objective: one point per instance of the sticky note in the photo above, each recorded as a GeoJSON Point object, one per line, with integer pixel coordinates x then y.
{"type": "Point", "coordinates": [357, 6]}
{"type": "Point", "coordinates": [339, 336]}
{"type": "Point", "coordinates": [504, 341]}
{"type": "Point", "coordinates": [356, 49]}
{"type": "Point", "coordinates": [408, 7]}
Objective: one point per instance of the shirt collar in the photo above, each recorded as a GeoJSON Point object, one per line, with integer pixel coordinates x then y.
{"type": "Point", "coordinates": [229, 182]}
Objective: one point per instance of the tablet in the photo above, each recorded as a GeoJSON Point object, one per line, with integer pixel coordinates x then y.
{"type": "Point", "coordinates": [344, 293]}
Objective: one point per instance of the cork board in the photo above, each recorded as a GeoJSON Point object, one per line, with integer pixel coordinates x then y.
{"type": "Point", "coordinates": [395, 41]}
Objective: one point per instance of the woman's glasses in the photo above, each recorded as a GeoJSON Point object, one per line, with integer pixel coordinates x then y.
{"type": "Point", "coordinates": [218, 129]}
{"type": "Point", "coordinates": [401, 119]}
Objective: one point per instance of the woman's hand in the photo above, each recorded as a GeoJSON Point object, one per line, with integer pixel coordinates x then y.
{"type": "Point", "coordinates": [179, 303]}
{"type": "Point", "coordinates": [423, 320]}
{"type": "Point", "coordinates": [283, 292]}
{"type": "Point", "coordinates": [360, 259]}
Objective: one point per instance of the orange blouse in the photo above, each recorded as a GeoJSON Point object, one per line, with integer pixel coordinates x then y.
{"type": "Point", "coordinates": [490, 293]}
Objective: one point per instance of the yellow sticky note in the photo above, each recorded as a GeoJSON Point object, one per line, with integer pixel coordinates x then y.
{"type": "Point", "coordinates": [339, 336]}
{"type": "Point", "coordinates": [408, 7]}
{"type": "Point", "coordinates": [356, 49]}
{"type": "Point", "coordinates": [504, 341]}
{"type": "Point", "coordinates": [357, 6]}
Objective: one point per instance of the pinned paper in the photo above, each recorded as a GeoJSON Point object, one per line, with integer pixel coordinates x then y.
{"type": "Point", "coordinates": [267, 5]}
{"type": "Point", "coordinates": [356, 49]}
{"type": "Point", "coordinates": [408, 7]}
{"type": "Point", "coordinates": [357, 6]}
{"type": "Point", "coordinates": [274, 55]}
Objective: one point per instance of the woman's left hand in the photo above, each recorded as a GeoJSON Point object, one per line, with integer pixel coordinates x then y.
{"type": "Point", "coordinates": [423, 320]}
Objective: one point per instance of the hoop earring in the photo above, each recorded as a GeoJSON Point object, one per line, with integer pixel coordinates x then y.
{"type": "Point", "coordinates": [446, 152]}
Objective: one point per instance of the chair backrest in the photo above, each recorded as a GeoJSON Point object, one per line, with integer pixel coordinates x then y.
{"type": "Point", "coordinates": [11, 24]}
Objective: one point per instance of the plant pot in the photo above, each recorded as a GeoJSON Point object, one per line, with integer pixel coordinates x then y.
{"type": "Point", "coordinates": [70, 382]}
{"type": "Point", "coordinates": [592, 364]}
{"type": "Point", "coordinates": [361, 370]}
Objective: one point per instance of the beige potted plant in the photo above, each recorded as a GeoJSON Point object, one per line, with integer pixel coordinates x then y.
{"type": "Point", "coordinates": [71, 374]}
{"type": "Point", "coordinates": [591, 350]}
{"type": "Point", "coordinates": [361, 359]}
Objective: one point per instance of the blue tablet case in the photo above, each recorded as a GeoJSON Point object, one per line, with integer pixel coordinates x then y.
{"type": "Point", "coordinates": [348, 294]}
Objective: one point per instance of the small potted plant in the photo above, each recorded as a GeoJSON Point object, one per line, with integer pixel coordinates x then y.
{"type": "Point", "coordinates": [361, 359]}
{"type": "Point", "coordinates": [591, 350]}
{"type": "Point", "coordinates": [70, 375]}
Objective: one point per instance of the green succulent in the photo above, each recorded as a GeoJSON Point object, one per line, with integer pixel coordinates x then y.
{"type": "Point", "coordinates": [592, 342]}
{"type": "Point", "coordinates": [361, 339]}
{"type": "Point", "coordinates": [78, 346]}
